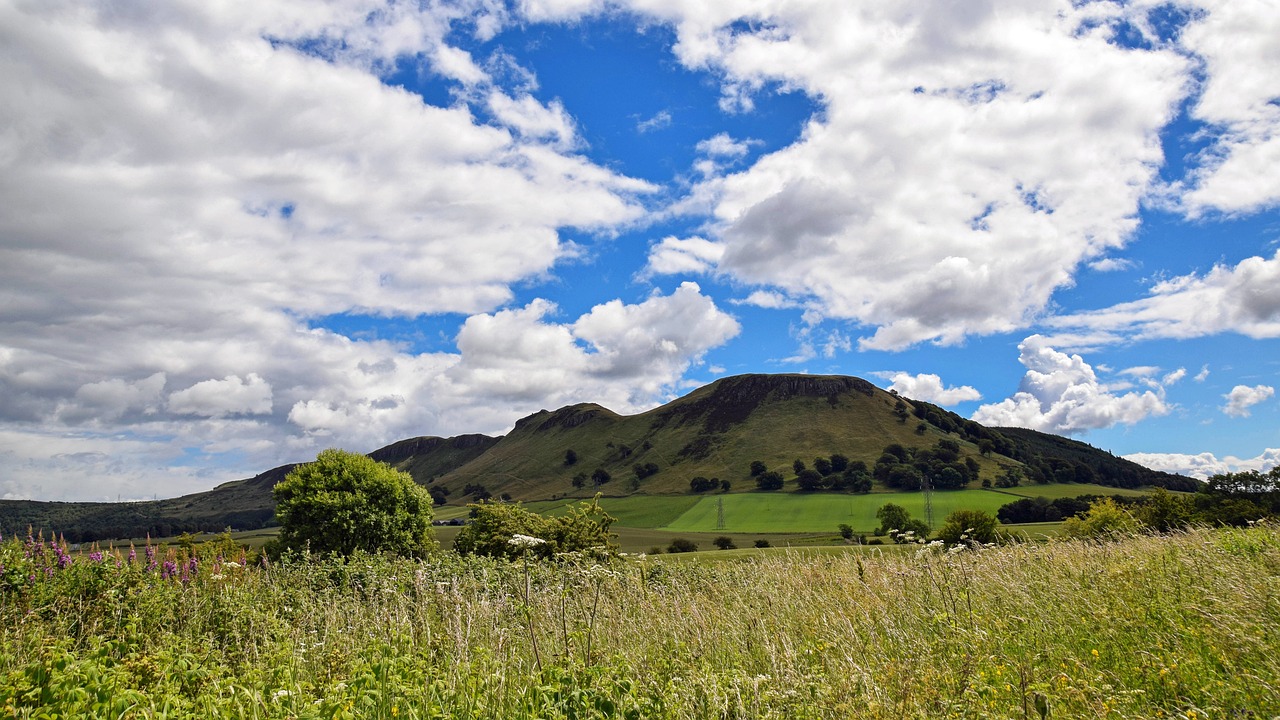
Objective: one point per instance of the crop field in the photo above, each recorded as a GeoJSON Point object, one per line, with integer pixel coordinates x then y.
{"type": "Point", "coordinates": [1177, 626]}
{"type": "Point", "coordinates": [794, 512]}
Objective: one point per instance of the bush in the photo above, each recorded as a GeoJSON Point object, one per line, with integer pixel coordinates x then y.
{"type": "Point", "coordinates": [724, 542]}
{"type": "Point", "coordinates": [968, 526]}
{"type": "Point", "coordinates": [762, 543]}
{"type": "Point", "coordinates": [584, 528]}
{"type": "Point", "coordinates": [769, 481]}
{"type": "Point", "coordinates": [682, 545]}
{"type": "Point", "coordinates": [1105, 519]}
{"type": "Point", "coordinates": [344, 502]}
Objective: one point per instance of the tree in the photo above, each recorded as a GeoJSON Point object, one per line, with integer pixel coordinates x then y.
{"type": "Point", "coordinates": [702, 484]}
{"type": "Point", "coordinates": [758, 467]}
{"type": "Point", "coordinates": [798, 466]}
{"type": "Point", "coordinates": [809, 480]}
{"type": "Point", "coordinates": [895, 518]}
{"type": "Point", "coordinates": [1104, 519]}
{"type": "Point", "coordinates": [968, 526]}
{"type": "Point", "coordinates": [600, 476]}
{"type": "Point", "coordinates": [822, 466]}
{"type": "Point", "coordinates": [570, 457]}
{"type": "Point", "coordinates": [724, 542]}
{"type": "Point", "coordinates": [682, 545]}
{"type": "Point", "coordinates": [839, 463]}
{"type": "Point", "coordinates": [494, 525]}
{"type": "Point", "coordinates": [846, 531]}
{"type": "Point", "coordinates": [344, 502]}
{"type": "Point", "coordinates": [769, 481]}
{"type": "Point", "coordinates": [1163, 511]}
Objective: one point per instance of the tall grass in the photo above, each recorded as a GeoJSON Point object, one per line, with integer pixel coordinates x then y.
{"type": "Point", "coordinates": [1180, 626]}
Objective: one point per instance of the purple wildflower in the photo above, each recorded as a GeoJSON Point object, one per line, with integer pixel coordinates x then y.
{"type": "Point", "coordinates": [192, 566]}
{"type": "Point", "coordinates": [133, 554]}
{"type": "Point", "coordinates": [168, 570]}
{"type": "Point", "coordinates": [95, 556]}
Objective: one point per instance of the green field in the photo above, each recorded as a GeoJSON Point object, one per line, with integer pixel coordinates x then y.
{"type": "Point", "coordinates": [1064, 490]}
{"type": "Point", "coordinates": [795, 513]}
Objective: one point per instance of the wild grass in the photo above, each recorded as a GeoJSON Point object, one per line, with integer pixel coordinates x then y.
{"type": "Point", "coordinates": [1183, 626]}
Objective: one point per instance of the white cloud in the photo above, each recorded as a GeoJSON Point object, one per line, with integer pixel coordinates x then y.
{"type": "Point", "coordinates": [1240, 171]}
{"type": "Point", "coordinates": [673, 256]}
{"type": "Point", "coordinates": [723, 145]}
{"type": "Point", "coordinates": [1243, 299]}
{"type": "Point", "coordinates": [1110, 264]}
{"type": "Point", "coordinates": [228, 396]}
{"type": "Point", "coordinates": [767, 299]}
{"type": "Point", "coordinates": [929, 388]}
{"type": "Point", "coordinates": [1243, 397]}
{"type": "Point", "coordinates": [1060, 393]}
{"type": "Point", "coordinates": [962, 166]}
{"type": "Point", "coordinates": [1205, 465]}
{"type": "Point", "coordinates": [659, 121]}
{"type": "Point", "coordinates": [208, 180]}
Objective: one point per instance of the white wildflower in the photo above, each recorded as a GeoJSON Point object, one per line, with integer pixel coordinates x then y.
{"type": "Point", "coordinates": [526, 541]}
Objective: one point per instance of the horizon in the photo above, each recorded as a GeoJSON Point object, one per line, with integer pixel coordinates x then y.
{"type": "Point", "coordinates": [238, 235]}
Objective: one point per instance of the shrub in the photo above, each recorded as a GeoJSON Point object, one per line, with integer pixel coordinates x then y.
{"type": "Point", "coordinates": [1104, 519]}
{"type": "Point", "coordinates": [762, 543]}
{"type": "Point", "coordinates": [724, 542]}
{"type": "Point", "coordinates": [344, 502]}
{"type": "Point", "coordinates": [682, 545]}
{"type": "Point", "coordinates": [971, 526]}
{"type": "Point", "coordinates": [493, 525]}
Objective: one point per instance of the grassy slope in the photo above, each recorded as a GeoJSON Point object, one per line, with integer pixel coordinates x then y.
{"type": "Point", "coordinates": [715, 431]}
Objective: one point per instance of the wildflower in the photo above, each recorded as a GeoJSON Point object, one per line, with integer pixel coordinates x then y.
{"type": "Point", "coordinates": [95, 556]}
{"type": "Point", "coordinates": [525, 541]}
{"type": "Point", "coordinates": [232, 565]}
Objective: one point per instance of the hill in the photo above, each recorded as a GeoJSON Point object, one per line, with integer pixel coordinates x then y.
{"type": "Point", "coordinates": [715, 432]}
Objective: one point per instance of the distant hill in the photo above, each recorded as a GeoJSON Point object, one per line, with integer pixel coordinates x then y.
{"type": "Point", "coordinates": [715, 431]}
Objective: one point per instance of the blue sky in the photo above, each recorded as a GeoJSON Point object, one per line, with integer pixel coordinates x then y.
{"type": "Point", "coordinates": [237, 235]}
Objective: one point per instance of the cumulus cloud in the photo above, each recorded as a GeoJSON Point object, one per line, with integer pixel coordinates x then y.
{"type": "Point", "coordinates": [1061, 393]}
{"type": "Point", "coordinates": [1243, 397]}
{"type": "Point", "coordinates": [672, 256]}
{"type": "Point", "coordinates": [963, 164]}
{"type": "Point", "coordinates": [211, 180]}
{"type": "Point", "coordinates": [1240, 170]}
{"type": "Point", "coordinates": [231, 395]}
{"type": "Point", "coordinates": [1244, 298]}
{"type": "Point", "coordinates": [1205, 465]}
{"type": "Point", "coordinates": [929, 388]}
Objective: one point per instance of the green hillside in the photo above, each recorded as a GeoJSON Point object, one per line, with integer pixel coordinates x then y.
{"type": "Point", "coordinates": [714, 432]}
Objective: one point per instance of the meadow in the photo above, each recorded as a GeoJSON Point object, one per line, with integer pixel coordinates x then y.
{"type": "Point", "coordinates": [1179, 626]}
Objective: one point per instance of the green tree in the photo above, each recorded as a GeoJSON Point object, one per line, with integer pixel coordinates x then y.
{"type": "Point", "coordinates": [724, 542]}
{"type": "Point", "coordinates": [896, 518]}
{"type": "Point", "coordinates": [344, 502]}
{"type": "Point", "coordinates": [1104, 519]}
{"type": "Point", "coordinates": [968, 526]}
{"type": "Point", "coordinates": [600, 476]}
{"type": "Point", "coordinates": [758, 467]}
{"type": "Point", "coordinates": [682, 545]}
{"type": "Point", "coordinates": [769, 481]}
{"type": "Point", "coordinates": [585, 527]}
{"type": "Point", "coordinates": [570, 457]}
{"type": "Point", "coordinates": [846, 531]}
{"type": "Point", "coordinates": [1163, 511]}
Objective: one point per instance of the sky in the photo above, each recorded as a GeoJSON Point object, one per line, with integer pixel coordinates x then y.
{"type": "Point", "coordinates": [233, 234]}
